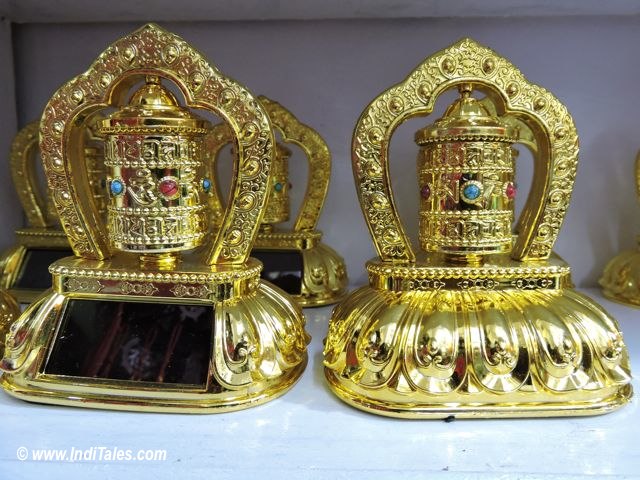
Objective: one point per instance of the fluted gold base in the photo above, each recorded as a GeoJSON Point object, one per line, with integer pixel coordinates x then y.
{"type": "Point", "coordinates": [258, 343]}
{"type": "Point", "coordinates": [484, 348]}
{"type": "Point", "coordinates": [324, 274]}
{"type": "Point", "coordinates": [621, 278]}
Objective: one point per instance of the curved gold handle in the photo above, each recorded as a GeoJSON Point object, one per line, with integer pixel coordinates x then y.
{"type": "Point", "coordinates": [467, 62]}
{"type": "Point", "coordinates": [309, 141]}
{"type": "Point", "coordinates": [154, 51]}
{"type": "Point", "coordinates": [22, 161]}
{"type": "Point", "coordinates": [317, 153]}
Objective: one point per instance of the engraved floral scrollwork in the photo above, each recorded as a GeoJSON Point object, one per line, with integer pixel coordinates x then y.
{"type": "Point", "coordinates": [615, 347]}
{"type": "Point", "coordinates": [241, 352]}
{"type": "Point", "coordinates": [429, 352]}
{"type": "Point", "coordinates": [196, 291]}
{"type": "Point", "coordinates": [148, 289]}
{"type": "Point", "coordinates": [501, 353]}
{"type": "Point", "coordinates": [83, 285]}
{"type": "Point", "coordinates": [376, 350]}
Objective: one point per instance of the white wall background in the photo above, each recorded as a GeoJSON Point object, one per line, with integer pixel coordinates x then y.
{"type": "Point", "coordinates": [326, 72]}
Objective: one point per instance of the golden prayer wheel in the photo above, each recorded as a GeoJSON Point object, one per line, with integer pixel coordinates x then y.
{"type": "Point", "coordinates": [138, 319]}
{"type": "Point", "coordinates": [154, 151]}
{"type": "Point", "coordinates": [483, 322]}
{"type": "Point", "coordinates": [466, 177]}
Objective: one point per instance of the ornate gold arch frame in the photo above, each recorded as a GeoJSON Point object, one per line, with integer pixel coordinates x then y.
{"type": "Point", "coordinates": [555, 159]}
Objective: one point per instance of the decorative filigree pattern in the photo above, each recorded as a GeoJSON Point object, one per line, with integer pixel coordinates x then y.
{"type": "Point", "coordinates": [324, 277]}
{"type": "Point", "coordinates": [316, 151]}
{"type": "Point", "coordinates": [520, 276]}
{"type": "Point", "coordinates": [467, 61]}
{"type": "Point", "coordinates": [83, 285]}
{"type": "Point", "coordinates": [440, 231]}
{"type": "Point", "coordinates": [278, 206]}
{"type": "Point", "coordinates": [156, 51]}
{"type": "Point", "coordinates": [195, 291]}
{"type": "Point", "coordinates": [303, 239]}
{"type": "Point", "coordinates": [23, 173]}
{"type": "Point", "coordinates": [128, 288]}
{"type": "Point", "coordinates": [250, 271]}
{"type": "Point", "coordinates": [314, 148]}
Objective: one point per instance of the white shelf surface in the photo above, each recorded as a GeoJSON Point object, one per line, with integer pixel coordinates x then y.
{"type": "Point", "coordinates": [309, 434]}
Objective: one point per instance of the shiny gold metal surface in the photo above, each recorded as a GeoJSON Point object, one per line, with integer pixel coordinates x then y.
{"type": "Point", "coordinates": [620, 280]}
{"type": "Point", "coordinates": [483, 322]}
{"type": "Point", "coordinates": [215, 315]}
{"type": "Point", "coordinates": [9, 312]}
{"type": "Point", "coordinates": [43, 232]}
{"type": "Point", "coordinates": [324, 274]}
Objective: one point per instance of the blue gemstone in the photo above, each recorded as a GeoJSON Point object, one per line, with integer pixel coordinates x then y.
{"type": "Point", "coordinates": [117, 187]}
{"type": "Point", "coordinates": [206, 184]}
{"type": "Point", "coordinates": [278, 187]}
{"type": "Point", "coordinates": [471, 191]}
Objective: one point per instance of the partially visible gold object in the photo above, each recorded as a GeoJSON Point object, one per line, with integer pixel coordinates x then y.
{"type": "Point", "coordinates": [483, 322]}
{"type": "Point", "coordinates": [295, 258]}
{"type": "Point", "coordinates": [24, 266]}
{"type": "Point", "coordinates": [621, 277]}
{"type": "Point", "coordinates": [137, 320]}
{"type": "Point", "coordinates": [9, 312]}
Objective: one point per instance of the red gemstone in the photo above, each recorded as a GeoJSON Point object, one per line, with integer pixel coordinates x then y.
{"type": "Point", "coordinates": [510, 191]}
{"type": "Point", "coordinates": [425, 192]}
{"type": "Point", "coordinates": [169, 188]}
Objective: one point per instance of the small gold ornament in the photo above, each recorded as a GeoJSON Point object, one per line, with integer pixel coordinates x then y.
{"type": "Point", "coordinates": [24, 267]}
{"type": "Point", "coordinates": [483, 322]}
{"type": "Point", "coordinates": [295, 259]}
{"type": "Point", "coordinates": [137, 320]}
{"type": "Point", "coordinates": [621, 277]}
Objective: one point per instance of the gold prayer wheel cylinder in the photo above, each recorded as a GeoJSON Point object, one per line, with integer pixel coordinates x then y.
{"type": "Point", "coordinates": [278, 205]}
{"type": "Point", "coordinates": [154, 152]}
{"type": "Point", "coordinates": [466, 174]}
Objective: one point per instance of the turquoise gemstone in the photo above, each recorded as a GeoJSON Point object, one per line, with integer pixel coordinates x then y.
{"type": "Point", "coordinates": [471, 191]}
{"type": "Point", "coordinates": [278, 187]}
{"type": "Point", "coordinates": [206, 185]}
{"type": "Point", "coordinates": [116, 187]}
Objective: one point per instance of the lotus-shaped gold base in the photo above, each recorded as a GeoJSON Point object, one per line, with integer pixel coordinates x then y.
{"type": "Point", "coordinates": [469, 342]}
{"type": "Point", "coordinates": [621, 278]}
{"type": "Point", "coordinates": [246, 338]}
